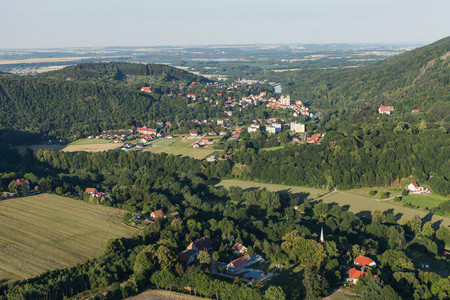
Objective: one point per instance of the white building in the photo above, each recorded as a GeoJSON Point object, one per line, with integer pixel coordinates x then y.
{"type": "Point", "coordinates": [253, 128]}
{"type": "Point", "coordinates": [297, 127]}
{"type": "Point", "coordinates": [285, 100]}
{"type": "Point", "coordinates": [274, 128]}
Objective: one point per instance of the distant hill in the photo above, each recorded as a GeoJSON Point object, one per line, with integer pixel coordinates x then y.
{"type": "Point", "coordinates": [99, 98]}
{"type": "Point", "coordinates": [120, 70]}
{"type": "Point", "coordinates": [417, 79]}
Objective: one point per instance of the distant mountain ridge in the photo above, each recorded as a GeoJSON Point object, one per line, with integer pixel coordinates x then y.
{"type": "Point", "coordinates": [418, 79]}
{"type": "Point", "coordinates": [119, 71]}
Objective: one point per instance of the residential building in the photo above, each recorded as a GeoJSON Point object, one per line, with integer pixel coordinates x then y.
{"type": "Point", "coordinates": [364, 261]}
{"type": "Point", "coordinates": [238, 263]}
{"type": "Point", "coordinates": [156, 214]}
{"type": "Point", "coordinates": [187, 256]}
{"type": "Point", "coordinates": [239, 249]}
{"type": "Point", "coordinates": [297, 127]}
{"type": "Point", "coordinates": [202, 244]}
{"type": "Point", "coordinates": [146, 130]}
{"type": "Point", "coordinates": [274, 128]}
{"type": "Point", "coordinates": [414, 187]}
{"type": "Point", "coordinates": [386, 110]}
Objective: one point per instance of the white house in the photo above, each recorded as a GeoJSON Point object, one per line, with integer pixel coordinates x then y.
{"type": "Point", "coordinates": [414, 187]}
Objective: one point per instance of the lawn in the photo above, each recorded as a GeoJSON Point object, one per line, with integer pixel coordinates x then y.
{"type": "Point", "coordinates": [45, 232]}
{"type": "Point", "coordinates": [363, 206]}
{"type": "Point", "coordinates": [306, 192]}
{"type": "Point", "coordinates": [180, 148]}
{"type": "Point", "coordinates": [424, 201]}
{"type": "Point", "coordinates": [73, 147]}
{"type": "Point", "coordinates": [90, 141]}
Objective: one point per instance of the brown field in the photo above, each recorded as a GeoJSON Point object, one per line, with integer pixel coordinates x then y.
{"type": "Point", "coordinates": [46, 232]}
{"type": "Point", "coordinates": [163, 295]}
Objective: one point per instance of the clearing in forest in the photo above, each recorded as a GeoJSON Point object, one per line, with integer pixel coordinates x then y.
{"type": "Point", "coordinates": [180, 148]}
{"type": "Point", "coordinates": [46, 232]}
{"type": "Point", "coordinates": [363, 206]}
{"type": "Point", "coordinates": [306, 192]}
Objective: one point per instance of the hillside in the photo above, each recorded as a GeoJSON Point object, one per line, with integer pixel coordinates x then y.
{"type": "Point", "coordinates": [418, 79]}
{"type": "Point", "coordinates": [97, 99]}
{"type": "Point", "coordinates": [120, 71]}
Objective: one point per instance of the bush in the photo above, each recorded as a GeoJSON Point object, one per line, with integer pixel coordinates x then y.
{"type": "Point", "coordinates": [372, 193]}
{"type": "Point", "coordinates": [397, 199]}
{"type": "Point", "coordinates": [405, 192]}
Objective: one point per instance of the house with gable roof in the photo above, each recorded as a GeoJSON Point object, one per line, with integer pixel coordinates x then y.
{"type": "Point", "coordinates": [202, 244]}
{"type": "Point", "coordinates": [238, 263]}
{"type": "Point", "coordinates": [239, 249]}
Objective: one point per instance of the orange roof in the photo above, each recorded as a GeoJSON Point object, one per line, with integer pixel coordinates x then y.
{"type": "Point", "coordinates": [355, 273]}
{"type": "Point", "coordinates": [363, 261]}
{"type": "Point", "coordinates": [90, 190]}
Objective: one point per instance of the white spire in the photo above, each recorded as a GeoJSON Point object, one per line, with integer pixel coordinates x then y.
{"type": "Point", "coordinates": [322, 240]}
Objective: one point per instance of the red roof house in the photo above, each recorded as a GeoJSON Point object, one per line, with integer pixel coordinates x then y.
{"type": "Point", "coordinates": [146, 130]}
{"type": "Point", "coordinates": [385, 109]}
{"type": "Point", "coordinates": [91, 191]}
{"type": "Point", "coordinates": [156, 214]}
{"type": "Point", "coordinates": [364, 261]}
{"type": "Point", "coordinates": [239, 262]}
{"type": "Point", "coordinates": [239, 249]}
{"type": "Point", "coordinates": [147, 89]}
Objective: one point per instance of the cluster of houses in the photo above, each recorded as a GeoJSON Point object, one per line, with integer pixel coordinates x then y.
{"type": "Point", "coordinates": [362, 265]}
{"type": "Point", "coordinates": [314, 138]}
{"type": "Point", "coordinates": [416, 188]}
{"type": "Point", "coordinates": [95, 193]}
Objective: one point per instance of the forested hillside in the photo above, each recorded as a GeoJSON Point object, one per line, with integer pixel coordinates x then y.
{"type": "Point", "coordinates": [417, 79]}
{"type": "Point", "coordinates": [119, 71]}
{"type": "Point", "coordinates": [52, 104]}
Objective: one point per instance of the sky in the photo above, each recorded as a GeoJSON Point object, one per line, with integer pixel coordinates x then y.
{"type": "Point", "coordinates": [135, 23]}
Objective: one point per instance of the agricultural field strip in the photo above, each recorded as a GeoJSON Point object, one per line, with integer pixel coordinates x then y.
{"type": "Point", "coordinates": [70, 238]}
{"type": "Point", "coordinates": [271, 187]}
{"type": "Point", "coordinates": [358, 204]}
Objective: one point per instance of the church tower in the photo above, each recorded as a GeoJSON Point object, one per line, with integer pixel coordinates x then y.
{"type": "Point", "coordinates": [322, 240]}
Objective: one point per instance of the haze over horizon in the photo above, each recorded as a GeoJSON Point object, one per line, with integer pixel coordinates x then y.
{"type": "Point", "coordinates": [137, 23]}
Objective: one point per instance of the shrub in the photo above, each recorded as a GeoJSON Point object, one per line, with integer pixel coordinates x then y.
{"type": "Point", "coordinates": [372, 193]}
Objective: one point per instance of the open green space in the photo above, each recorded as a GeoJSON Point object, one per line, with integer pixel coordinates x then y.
{"type": "Point", "coordinates": [363, 206]}
{"type": "Point", "coordinates": [164, 142]}
{"type": "Point", "coordinates": [180, 148]}
{"type": "Point", "coordinates": [46, 232]}
{"type": "Point", "coordinates": [308, 192]}
{"type": "Point", "coordinates": [424, 201]}
{"type": "Point", "coordinates": [90, 141]}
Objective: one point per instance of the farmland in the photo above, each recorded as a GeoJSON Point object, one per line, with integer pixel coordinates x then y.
{"type": "Point", "coordinates": [45, 232]}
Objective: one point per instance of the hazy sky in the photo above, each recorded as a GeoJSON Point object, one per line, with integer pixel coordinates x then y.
{"type": "Point", "coordinates": [83, 23]}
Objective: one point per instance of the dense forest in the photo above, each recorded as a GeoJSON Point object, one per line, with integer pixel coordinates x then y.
{"type": "Point", "coordinates": [264, 221]}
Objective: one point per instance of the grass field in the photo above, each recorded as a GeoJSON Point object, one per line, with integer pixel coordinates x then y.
{"type": "Point", "coordinates": [45, 232]}
{"type": "Point", "coordinates": [163, 295]}
{"type": "Point", "coordinates": [364, 206]}
{"type": "Point", "coordinates": [90, 142]}
{"type": "Point", "coordinates": [311, 192]}
{"type": "Point", "coordinates": [73, 147]}
{"type": "Point", "coordinates": [424, 201]}
{"type": "Point", "coordinates": [180, 148]}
